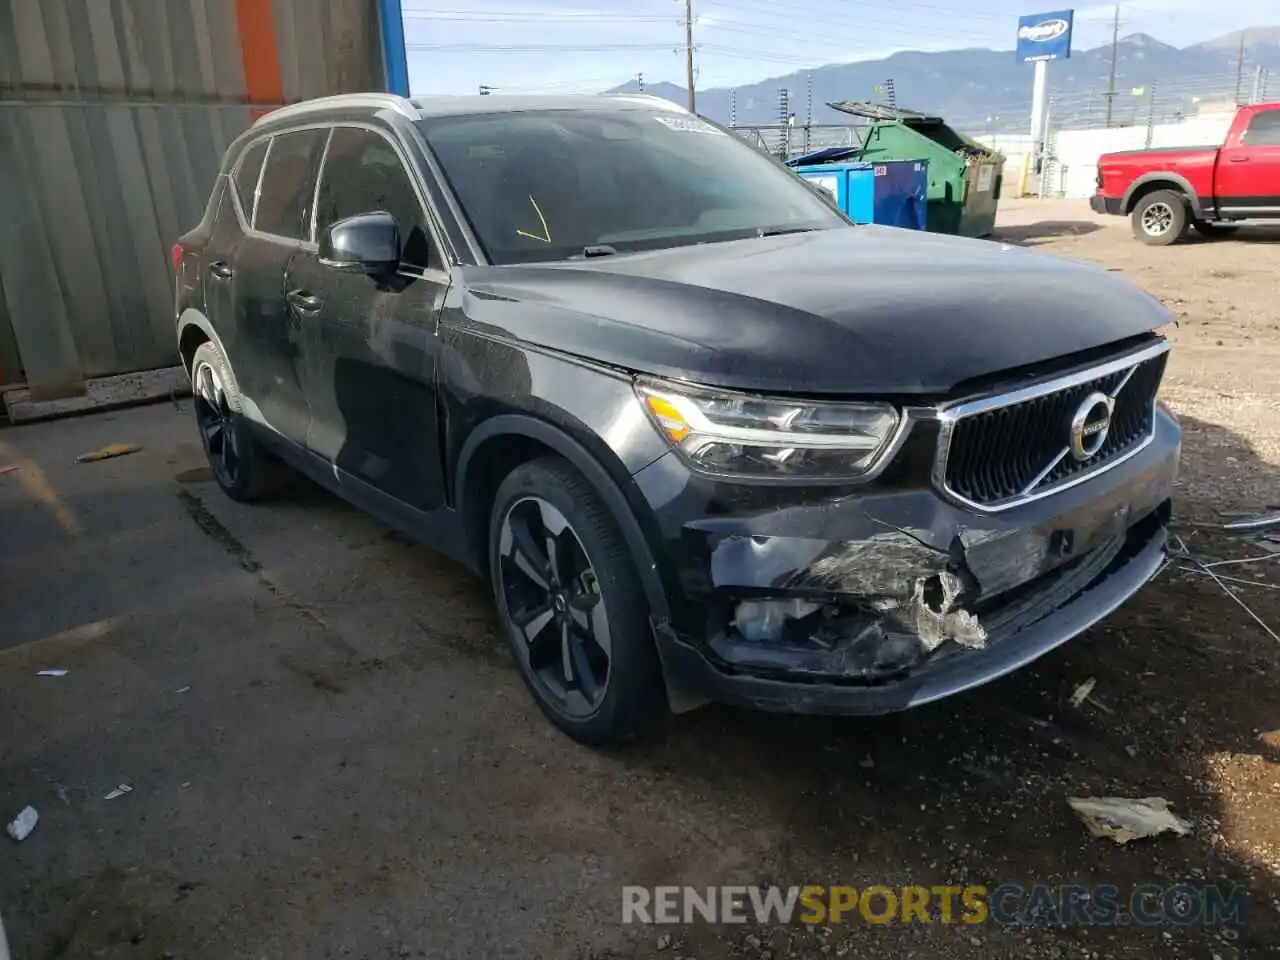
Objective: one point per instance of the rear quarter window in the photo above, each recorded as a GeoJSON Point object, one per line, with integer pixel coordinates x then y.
{"type": "Point", "coordinates": [246, 176]}
{"type": "Point", "coordinates": [287, 183]}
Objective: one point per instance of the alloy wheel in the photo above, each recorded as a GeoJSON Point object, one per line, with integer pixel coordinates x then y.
{"type": "Point", "coordinates": [1157, 219]}
{"type": "Point", "coordinates": [554, 606]}
{"type": "Point", "coordinates": [217, 429]}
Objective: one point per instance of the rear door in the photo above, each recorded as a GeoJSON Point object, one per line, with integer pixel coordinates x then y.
{"type": "Point", "coordinates": [369, 344]}
{"type": "Point", "coordinates": [267, 330]}
{"type": "Point", "coordinates": [1248, 175]}
{"type": "Point", "coordinates": [222, 251]}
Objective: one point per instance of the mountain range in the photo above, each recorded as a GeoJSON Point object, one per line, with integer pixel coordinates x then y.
{"type": "Point", "coordinates": [985, 90]}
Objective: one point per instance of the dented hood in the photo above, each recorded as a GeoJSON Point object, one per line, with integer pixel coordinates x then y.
{"type": "Point", "coordinates": [863, 310]}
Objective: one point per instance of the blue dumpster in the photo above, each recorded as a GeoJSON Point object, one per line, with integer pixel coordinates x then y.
{"type": "Point", "coordinates": [893, 193]}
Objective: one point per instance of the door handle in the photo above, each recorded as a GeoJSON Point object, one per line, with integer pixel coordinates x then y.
{"type": "Point", "coordinates": [1237, 159]}
{"type": "Point", "coordinates": [220, 269]}
{"type": "Point", "coordinates": [305, 302]}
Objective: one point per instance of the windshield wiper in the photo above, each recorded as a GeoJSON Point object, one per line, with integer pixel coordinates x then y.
{"type": "Point", "coordinates": [598, 250]}
{"type": "Point", "coordinates": [779, 231]}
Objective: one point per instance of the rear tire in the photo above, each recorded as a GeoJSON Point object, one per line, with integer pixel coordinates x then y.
{"type": "Point", "coordinates": [241, 467]}
{"type": "Point", "coordinates": [571, 605]}
{"type": "Point", "coordinates": [1214, 231]}
{"type": "Point", "coordinates": [1160, 218]}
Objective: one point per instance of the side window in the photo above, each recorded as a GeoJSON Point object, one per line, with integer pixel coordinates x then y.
{"type": "Point", "coordinates": [363, 174]}
{"type": "Point", "coordinates": [287, 182]}
{"type": "Point", "coordinates": [246, 176]}
{"type": "Point", "coordinates": [1263, 130]}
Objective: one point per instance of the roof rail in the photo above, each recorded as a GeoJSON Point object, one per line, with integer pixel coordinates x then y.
{"type": "Point", "coordinates": [650, 98]}
{"type": "Point", "coordinates": [384, 101]}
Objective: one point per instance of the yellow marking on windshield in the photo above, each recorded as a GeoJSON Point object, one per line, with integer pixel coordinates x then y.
{"type": "Point", "coordinates": [545, 236]}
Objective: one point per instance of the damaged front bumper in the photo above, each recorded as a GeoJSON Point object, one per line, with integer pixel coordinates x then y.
{"type": "Point", "coordinates": [889, 599]}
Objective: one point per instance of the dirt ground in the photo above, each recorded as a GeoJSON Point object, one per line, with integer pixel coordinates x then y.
{"type": "Point", "coordinates": [330, 755]}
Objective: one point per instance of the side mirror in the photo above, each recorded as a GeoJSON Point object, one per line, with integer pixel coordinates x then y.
{"type": "Point", "coordinates": [366, 243]}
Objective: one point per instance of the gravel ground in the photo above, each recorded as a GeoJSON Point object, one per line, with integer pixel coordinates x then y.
{"type": "Point", "coordinates": [330, 755]}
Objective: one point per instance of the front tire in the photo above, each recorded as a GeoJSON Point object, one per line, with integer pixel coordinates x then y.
{"type": "Point", "coordinates": [571, 605]}
{"type": "Point", "coordinates": [241, 467]}
{"type": "Point", "coordinates": [1160, 218]}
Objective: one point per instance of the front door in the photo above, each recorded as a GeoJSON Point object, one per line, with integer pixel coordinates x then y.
{"type": "Point", "coordinates": [1248, 174]}
{"type": "Point", "coordinates": [265, 325]}
{"type": "Point", "coordinates": [368, 343]}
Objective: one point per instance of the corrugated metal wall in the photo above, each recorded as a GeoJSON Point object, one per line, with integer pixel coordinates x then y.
{"type": "Point", "coordinates": [113, 118]}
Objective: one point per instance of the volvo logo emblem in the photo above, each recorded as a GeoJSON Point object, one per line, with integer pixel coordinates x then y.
{"type": "Point", "coordinates": [1090, 425]}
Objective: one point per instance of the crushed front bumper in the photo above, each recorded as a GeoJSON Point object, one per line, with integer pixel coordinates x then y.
{"type": "Point", "coordinates": [1023, 583]}
{"type": "Point", "coordinates": [935, 678]}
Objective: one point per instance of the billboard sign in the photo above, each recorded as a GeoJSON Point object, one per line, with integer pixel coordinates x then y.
{"type": "Point", "coordinates": [1045, 36]}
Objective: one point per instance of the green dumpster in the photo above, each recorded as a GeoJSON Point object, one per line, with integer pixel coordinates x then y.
{"type": "Point", "coordinates": [964, 176]}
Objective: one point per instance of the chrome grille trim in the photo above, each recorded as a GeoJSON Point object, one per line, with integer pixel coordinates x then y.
{"type": "Point", "coordinates": [952, 414]}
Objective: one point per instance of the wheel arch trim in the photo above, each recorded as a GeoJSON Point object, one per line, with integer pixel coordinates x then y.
{"type": "Point", "coordinates": [589, 466]}
{"type": "Point", "coordinates": [1174, 179]}
{"type": "Point", "coordinates": [192, 317]}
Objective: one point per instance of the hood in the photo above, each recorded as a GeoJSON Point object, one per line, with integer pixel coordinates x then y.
{"type": "Point", "coordinates": [854, 311]}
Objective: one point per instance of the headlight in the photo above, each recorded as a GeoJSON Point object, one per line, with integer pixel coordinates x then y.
{"type": "Point", "coordinates": [769, 438]}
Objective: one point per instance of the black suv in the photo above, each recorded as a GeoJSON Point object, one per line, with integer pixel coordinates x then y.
{"type": "Point", "coordinates": [708, 439]}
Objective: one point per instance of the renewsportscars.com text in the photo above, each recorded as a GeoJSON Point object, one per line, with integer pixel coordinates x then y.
{"type": "Point", "coordinates": [1007, 904]}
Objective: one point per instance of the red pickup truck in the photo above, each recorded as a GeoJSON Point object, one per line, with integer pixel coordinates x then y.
{"type": "Point", "coordinates": [1168, 190]}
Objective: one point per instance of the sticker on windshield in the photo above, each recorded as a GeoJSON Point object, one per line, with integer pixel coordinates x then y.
{"type": "Point", "coordinates": [688, 125]}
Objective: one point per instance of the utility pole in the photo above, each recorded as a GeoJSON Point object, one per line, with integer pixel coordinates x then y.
{"type": "Point", "coordinates": [1240, 67]}
{"type": "Point", "coordinates": [688, 49]}
{"type": "Point", "coordinates": [1115, 49]}
{"type": "Point", "coordinates": [640, 81]}
{"type": "Point", "coordinates": [1151, 115]}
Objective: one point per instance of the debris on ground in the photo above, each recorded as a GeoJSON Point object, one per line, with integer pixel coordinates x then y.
{"type": "Point", "coordinates": [1121, 819]}
{"type": "Point", "coordinates": [1082, 693]}
{"type": "Point", "coordinates": [1196, 564]}
{"type": "Point", "coordinates": [21, 826]}
{"type": "Point", "coordinates": [52, 672]}
{"type": "Point", "coordinates": [182, 690]}
{"type": "Point", "coordinates": [1256, 522]}
{"type": "Point", "coordinates": [119, 791]}
{"type": "Point", "coordinates": [109, 451]}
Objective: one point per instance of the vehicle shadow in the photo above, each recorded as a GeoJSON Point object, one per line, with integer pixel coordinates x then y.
{"type": "Point", "coordinates": [1245, 234]}
{"type": "Point", "coordinates": [1031, 234]}
{"type": "Point", "coordinates": [974, 789]}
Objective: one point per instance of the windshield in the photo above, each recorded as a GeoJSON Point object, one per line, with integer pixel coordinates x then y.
{"type": "Point", "coordinates": [555, 184]}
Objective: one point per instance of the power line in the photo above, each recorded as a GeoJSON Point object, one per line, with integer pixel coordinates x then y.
{"type": "Point", "coordinates": [534, 47]}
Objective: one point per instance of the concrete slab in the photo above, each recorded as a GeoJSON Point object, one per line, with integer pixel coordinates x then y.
{"type": "Point", "coordinates": [105, 393]}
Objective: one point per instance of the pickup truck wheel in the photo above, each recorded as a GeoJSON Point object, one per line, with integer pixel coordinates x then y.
{"type": "Point", "coordinates": [1160, 218]}
{"type": "Point", "coordinates": [1213, 231]}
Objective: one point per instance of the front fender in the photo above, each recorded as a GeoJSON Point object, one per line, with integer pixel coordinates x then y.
{"type": "Point", "coordinates": [549, 435]}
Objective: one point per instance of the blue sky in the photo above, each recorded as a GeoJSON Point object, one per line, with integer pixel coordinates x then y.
{"type": "Point", "coordinates": [580, 46]}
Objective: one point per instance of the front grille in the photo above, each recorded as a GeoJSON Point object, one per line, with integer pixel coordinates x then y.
{"type": "Point", "coordinates": [997, 454]}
